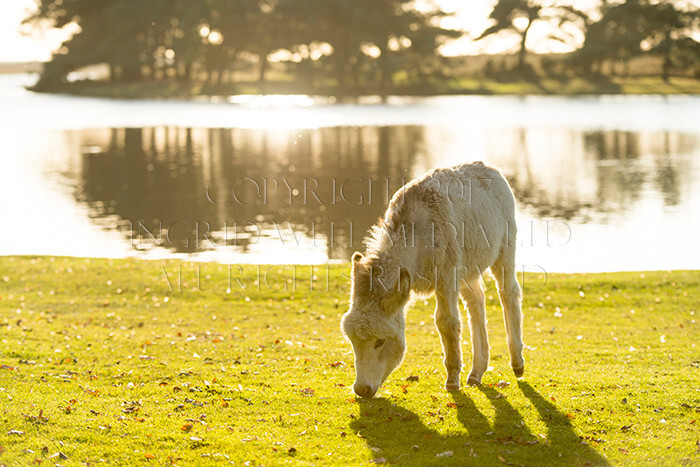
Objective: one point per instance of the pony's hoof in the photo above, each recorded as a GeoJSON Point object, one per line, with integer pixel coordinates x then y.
{"type": "Point", "coordinates": [451, 386]}
{"type": "Point", "coordinates": [519, 371]}
{"type": "Point", "coordinates": [474, 381]}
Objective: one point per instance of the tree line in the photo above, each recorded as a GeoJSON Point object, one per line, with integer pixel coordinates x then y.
{"type": "Point", "coordinates": [354, 43]}
{"type": "Point", "coordinates": [616, 31]}
{"type": "Point", "coordinates": [360, 45]}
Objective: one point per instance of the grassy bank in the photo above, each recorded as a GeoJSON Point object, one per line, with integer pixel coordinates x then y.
{"type": "Point", "coordinates": [572, 86]}
{"type": "Point", "coordinates": [136, 362]}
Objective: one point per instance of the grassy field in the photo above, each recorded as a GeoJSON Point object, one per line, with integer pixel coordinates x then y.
{"type": "Point", "coordinates": [578, 86]}
{"type": "Point", "coordinates": [134, 362]}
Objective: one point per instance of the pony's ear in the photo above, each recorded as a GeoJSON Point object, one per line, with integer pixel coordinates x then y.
{"type": "Point", "coordinates": [357, 257]}
{"type": "Point", "coordinates": [403, 285]}
{"type": "Point", "coordinates": [400, 293]}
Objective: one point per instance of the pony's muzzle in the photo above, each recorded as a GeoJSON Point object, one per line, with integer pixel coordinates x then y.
{"type": "Point", "coordinates": [364, 390]}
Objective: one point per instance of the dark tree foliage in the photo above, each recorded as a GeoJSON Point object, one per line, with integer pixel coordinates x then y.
{"type": "Point", "coordinates": [359, 43]}
{"type": "Point", "coordinates": [635, 27]}
{"type": "Point", "coordinates": [622, 30]}
{"type": "Point", "coordinates": [669, 36]}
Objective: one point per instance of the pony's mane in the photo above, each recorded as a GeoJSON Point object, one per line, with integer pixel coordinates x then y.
{"type": "Point", "coordinates": [378, 239]}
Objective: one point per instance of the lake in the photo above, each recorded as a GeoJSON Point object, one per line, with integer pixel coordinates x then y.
{"type": "Point", "coordinates": [602, 183]}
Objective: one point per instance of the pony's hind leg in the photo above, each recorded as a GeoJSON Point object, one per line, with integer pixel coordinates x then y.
{"type": "Point", "coordinates": [473, 296]}
{"type": "Point", "coordinates": [510, 295]}
{"type": "Point", "coordinates": [449, 326]}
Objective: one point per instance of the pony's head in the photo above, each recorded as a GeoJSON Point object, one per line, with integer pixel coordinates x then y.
{"type": "Point", "coordinates": [375, 323]}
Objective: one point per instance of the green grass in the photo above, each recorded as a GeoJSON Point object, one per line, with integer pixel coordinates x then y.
{"type": "Point", "coordinates": [577, 86]}
{"type": "Point", "coordinates": [110, 360]}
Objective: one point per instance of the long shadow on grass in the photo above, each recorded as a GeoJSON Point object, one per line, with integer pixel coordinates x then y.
{"type": "Point", "coordinates": [564, 442]}
{"type": "Point", "coordinates": [396, 434]}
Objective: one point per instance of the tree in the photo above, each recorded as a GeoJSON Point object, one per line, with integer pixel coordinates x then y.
{"type": "Point", "coordinates": [365, 41]}
{"type": "Point", "coordinates": [634, 27]}
{"type": "Point", "coordinates": [59, 14]}
{"type": "Point", "coordinates": [119, 33]}
{"type": "Point", "coordinates": [422, 58]}
{"type": "Point", "coordinates": [668, 35]}
{"type": "Point", "coordinates": [515, 16]}
{"type": "Point", "coordinates": [376, 38]}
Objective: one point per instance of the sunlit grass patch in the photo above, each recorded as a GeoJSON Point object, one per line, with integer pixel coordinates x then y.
{"type": "Point", "coordinates": [138, 361]}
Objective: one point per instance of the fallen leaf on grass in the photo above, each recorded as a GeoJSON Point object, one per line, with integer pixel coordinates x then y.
{"type": "Point", "coordinates": [308, 391]}
{"type": "Point", "coordinates": [149, 456]}
{"type": "Point", "coordinates": [15, 432]}
{"type": "Point", "coordinates": [37, 418]}
{"type": "Point", "coordinates": [445, 454]}
{"type": "Point", "coordinates": [412, 378]}
{"type": "Point", "coordinates": [59, 455]}
{"type": "Point", "coordinates": [186, 427]}
{"type": "Point", "coordinates": [378, 460]}
{"type": "Point", "coordinates": [501, 384]}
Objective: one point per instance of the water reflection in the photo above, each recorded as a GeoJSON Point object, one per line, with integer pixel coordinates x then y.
{"type": "Point", "coordinates": [595, 176]}
{"type": "Point", "coordinates": [310, 195]}
{"type": "Point", "coordinates": [603, 183]}
{"type": "Point", "coordinates": [250, 191]}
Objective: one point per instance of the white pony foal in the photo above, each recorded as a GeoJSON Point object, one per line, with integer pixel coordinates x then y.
{"type": "Point", "coordinates": [439, 234]}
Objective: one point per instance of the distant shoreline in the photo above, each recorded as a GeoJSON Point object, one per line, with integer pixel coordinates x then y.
{"type": "Point", "coordinates": [634, 85]}
{"type": "Point", "coordinates": [641, 84]}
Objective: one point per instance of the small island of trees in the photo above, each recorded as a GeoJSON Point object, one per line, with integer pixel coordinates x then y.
{"type": "Point", "coordinates": [338, 47]}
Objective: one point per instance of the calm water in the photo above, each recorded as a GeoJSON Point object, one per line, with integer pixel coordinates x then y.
{"type": "Point", "coordinates": [602, 184]}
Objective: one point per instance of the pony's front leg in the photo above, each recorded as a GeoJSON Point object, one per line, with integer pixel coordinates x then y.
{"type": "Point", "coordinates": [450, 327]}
{"type": "Point", "coordinates": [473, 295]}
